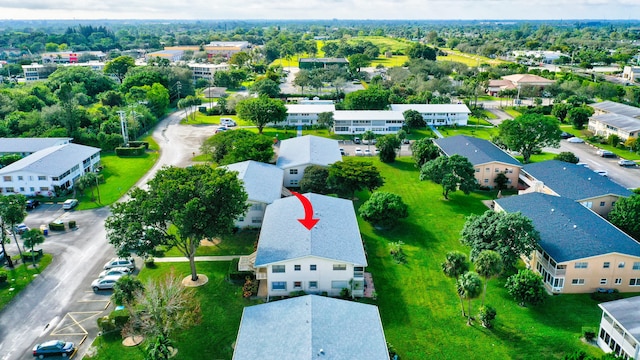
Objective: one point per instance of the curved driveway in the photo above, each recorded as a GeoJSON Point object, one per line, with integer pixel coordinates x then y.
{"type": "Point", "coordinates": [59, 302]}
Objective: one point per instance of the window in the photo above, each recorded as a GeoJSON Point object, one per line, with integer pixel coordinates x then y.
{"type": "Point", "coordinates": [606, 265]}
{"type": "Point", "coordinates": [277, 268]}
{"type": "Point", "coordinates": [296, 267]}
{"type": "Point", "coordinates": [256, 220]}
{"type": "Point", "coordinates": [577, 281]}
{"type": "Point", "coordinates": [297, 284]}
{"type": "Point", "coordinates": [6, 178]}
{"type": "Point", "coordinates": [588, 204]}
{"type": "Point", "coordinates": [293, 171]}
{"type": "Point", "coordinates": [621, 265]}
{"type": "Point", "coordinates": [44, 188]}
{"type": "Point", "coordinates": [601, 203]}
{"type": "Point", "coordinates": [477, 169]}
{"type": "Point", "coordinates": [278, 285]}
{"type": "Point", "coordinates": [293, 182]}
{"type": "Point", "coordinates": [613, 203]}
{"type": "Point", "coordinates": [32, 189]}
{"type": "Point", "coordinates": [312, 267]}
{"type": "Point", "coordinates": [339, 267]}
{"type": "Point", "coordinates": [341, 284]}
{"type": "Point", "coordinates": [19, 177]}
{"type": "Point", "coordinates": [634, 282]}
{"type": "Point", "coordinates": [618, 281]}
{"type": "Point", "coordinates": [41, 178]}
{"type": "Point", "coordinates": [486, 181]}
{"type": "Point", "coordinates": [603, 281]}
{"type": "Point", "coordinates": [487, 169]}
{"type": "Point", "coordinates": [497, 170]}
{"type": "Point", "coordinates": [9, 189]}
{"type": "Point", "coordinates": [313, 284]}
{"type": "Point", "coordinates": [581, 265]}
{"type": "Point", "coordinates": [636, 265]}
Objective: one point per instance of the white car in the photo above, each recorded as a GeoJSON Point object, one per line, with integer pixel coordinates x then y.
{"type": "Point", "coordinates": [575, 140]}
{"type": "Point", "coordinates": [69, 204]}
{"type": "Point", "coordinates": [115, 271]}
{"type": "Point", "coordinates": [602, 172]}
{"type": "Point", "coordinates": [105, 283]}
{"type": "Point", "coordinates": [358, 152]}
{"type": "Point", "coordinates": [120, 262]}
{"type": "Point", "coordinates": [227, 122]}
{"type": "Point", "coordinates": [367, 152]}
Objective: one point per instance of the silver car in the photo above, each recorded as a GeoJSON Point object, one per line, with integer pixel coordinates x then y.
{"type": "Point", "coordinates": [120, 262]}
{"type": "Point", "coordinates": [115, 271]}
{"type": "Point", "coordinates": [106, 283]}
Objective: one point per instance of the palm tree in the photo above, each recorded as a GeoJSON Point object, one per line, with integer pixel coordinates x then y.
{"type": "Point", "coordinates": [469, 286]}
{"type": "Point", "coordinates": [13, 213]}
{"type": "Point", "coordinates": [455, 265]}
{"type": "Point", "coordinates": [88, 180]}
{"type": "Point", "coordinates": [32, 238]}
{"type": "Point", "coordinates": [488, 264]}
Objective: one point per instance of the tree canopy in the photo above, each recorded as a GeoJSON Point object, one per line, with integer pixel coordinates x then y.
{"type": "Point", "coordinates": [373, 98]}
{"type": "Point", "coordinates": [314, 180]}
{"type": "Point", "coordinates": [529, 133]}
{"type": "Point", "coordinates": [453, 172]}
{"type": "Point", "coordinates": [119, 66]}
{"type": "Point", "coordinates": [384, 209]}
{"type": "Point", "coordinates": [526, 287]}
{"type": "Point", "coordinates": [567, 156]}
{"type": "Point", "coordinates": [413, 119]}
{"type": "Point", "coordinates": [424, 150]}
{"type": "Point", "coordinates": [625, 215]}
{"type": "Point", "coordinates": [347, 177]}
{"type": "Point", "coordinates": [387, 146]}
{"type": "Point", "coordinates": [229, 147]}
{"type": "Point", "coordinates": [261, 111]}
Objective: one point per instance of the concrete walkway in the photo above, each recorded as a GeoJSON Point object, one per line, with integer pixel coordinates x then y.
{"type": "Point", "coordinates": [435, 131]}
{"type": "Point", "coordinates": [198, 258]}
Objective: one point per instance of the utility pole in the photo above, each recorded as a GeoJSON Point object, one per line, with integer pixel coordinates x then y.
{"type": "Point", "coordinates": [123, 127]}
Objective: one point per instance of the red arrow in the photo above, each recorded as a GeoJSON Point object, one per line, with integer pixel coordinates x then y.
{"type": "Point", "coordinates": [309, 222]}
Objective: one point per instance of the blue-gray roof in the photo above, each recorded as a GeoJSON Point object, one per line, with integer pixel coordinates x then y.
{"type": "Point", "coordinates": [262, 182]}
{"type": "Point", "coordinates": [29, 145]}
{"type": "Point", "coordinates": [53, 160]}
{"type": "Point", "coordinates": [568, 230]}
{"type": "Point", "coordinates": [617, 108]}
{"type": "Point", "coordinates": [308, 150]}
{"type": "Point", "coordinates": [336, 236]}
{"type": "Point", "coordinates": [478, 151]}
{"type": "Point", "coordinates": [311, 327]}
{"type": "Point", "coordinates": [573, 181]}
{"type": "Point", "coordinates": [622, 122]}
{"type": "Point", "coordinates": [626, 313]}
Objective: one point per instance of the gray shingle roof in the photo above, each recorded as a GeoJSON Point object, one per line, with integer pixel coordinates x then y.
{"type": "Point", "coordinates": [52, 161]}
{"type": "Point", "coordinates": [478, 151]}
{"type": "Point", "coordinates": [617, 108]}
{"type": "Point", "coordinates": [568, 230]}
{"type": "Point", "coordinates": [573, 181]}
{"type": "Point", "coordinates": [29, 145]}
{"type": "Point", "coordinates": [336, 236]}
{"type": "Point", "coordinates": [623, 122]}
{"type": "Point", "coordinates": [626, 312]}
{"type": "Point", "coordinates": [309, 149]}
{"type": "Point", "coordinates": [262, 182]}
{"type": "Point", "coordinates": [311, 327]}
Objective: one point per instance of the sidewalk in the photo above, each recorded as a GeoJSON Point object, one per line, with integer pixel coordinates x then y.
{"type": "Point", "coordinates": [198, 258]}
{"type": "Point", "coordinates": [435, 131]}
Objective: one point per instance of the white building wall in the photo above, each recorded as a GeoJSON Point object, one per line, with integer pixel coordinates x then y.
{"type": "Point", "coordinates": [293, 175]}
{"type": "Point", "coordinates": [460, 119]}
{"type": "Point", "coordinates": [25, 183]}
{"type": "Point", "coordinates": [613, 338]}
{"type": "Point", "coordinates": [253, 217]}
{"type": "Point", "coordinates": [324, 276]}
{"type": "Point", "coordinates": [358, 127]}
{"type": "Point", "coordinates": [302, 119]}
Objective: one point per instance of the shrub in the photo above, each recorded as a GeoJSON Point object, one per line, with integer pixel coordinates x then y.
{"type": "Point", "coordinates": [487, 315]}
{"type": "Point", "coordinates": [130, 151]}
{"type": "Point", "coordinates": [56, 226]}
{"type": "Point", "coordinates": [589, 335]}
{"type": "Point", "coordinates": [250, 287]}
{"type": "Point", "coordinates": [72, 224]}
{"type": "Point", "coordinates": [606, 296]}
{"type": "Point", "coordinates": [149, 263]}
{"type": "Point", "coordinates": [137, 144]}
{"type": "Point", "coordinates": [297, 293]}
{"type": "Point", "coordinates": [3, 276]}
{"type": "Point", "coordinates": [120, 318]}
{"type": "Point", "coordinates": [105, 324]}
{"type": "Point", "coordinates": [345, 293]}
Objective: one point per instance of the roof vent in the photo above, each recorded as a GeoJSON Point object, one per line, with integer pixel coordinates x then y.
{"type": "Point", "coordinates": [575, 226]}
{"type": "Point", "coordinates": [552, 210]}
{"type": "Point", "coordinates": [321, 352]}
{"type": "Point", "coordinates": [589, 178]}
{"type": "Point", "coordinates": [467, 144]}
{"type": "Point", "coordinates": [564, 168]}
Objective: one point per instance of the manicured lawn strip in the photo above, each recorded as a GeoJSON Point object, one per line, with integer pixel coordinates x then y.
{"type": "Point", "coordinates": [514, 113]}
{"type": "Point", "coordinates": [213, 120]}
{"type": "Point", "coordinates": [479, 132]}
{"type": "Point", "coordinates": [539, 157]}
{"type": "Point", "coordinates": [395, 60]}
{"type": "Point", "coordinates": [20, 277]}
{"type": "Point", "coordinates": [221, 304]}
{"type": "Point", "coordinates": [419, 307]}
{"type": "Point", "coordinates": [241, 243]}
{"type": "Point", "coordinates": [489, 115]}
{"type": "Point", "coordinates": [473, 121]}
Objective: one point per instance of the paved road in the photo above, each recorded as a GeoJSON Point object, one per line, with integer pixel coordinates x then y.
{"type": "Point", "coordinates": [60, 303]}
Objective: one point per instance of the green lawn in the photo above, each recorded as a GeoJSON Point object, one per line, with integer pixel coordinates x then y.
{"type": "Point", "coordinates": [512, 112]}
{"type": "Point", "coordinates": [20, 277]}
{"type": "Point", "coordinates": [214, 120]}
{"type": "Point", "coordinates": [479, 132]}
{"type": "Point", "coordinates": [539, 157]}
{"type": "Point", "coordinates": [120, 174]}
{"type": "Point", "coordinates": [221, 304]}
{"type": "Point", "coordinates": [241, 243]}
{"type": "Point", "coordinates": [585, 134]}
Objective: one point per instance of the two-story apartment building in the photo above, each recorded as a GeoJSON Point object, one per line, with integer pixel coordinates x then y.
{"type": "Point", "coordinates": [356, 122]}
{"type": "Point", "coordinates": [306, 114]}
{"type": "Point", "coordinates": [310, 327]}
{"type": "Point", "coordinates": [42, 171]}
{"type": "Point", "coordinates": [326, 259]}
{"type": "Point", "coordinates": [27, 146]}
{"type": "Point", "coordinates": [206, 71]}
{"type": "Point", "coordinates": [619, 331]}
{"type": "Point", "coordinates": [575, 182]}
{"type": "Point", "coordinates": [488, 160]}
{"type": "Point", "coordinates": [579, 251]}
{"type": "Point", "coordinates": [296, 154]}
{"type": "Point", "coordinates": [263, 185]}
{"type": "Point", "coordinates": [612, 118]}
{"type": "Point", "coordinates": [438, 114]}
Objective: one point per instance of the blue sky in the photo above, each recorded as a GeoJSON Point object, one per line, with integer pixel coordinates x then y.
{"type": "Point", "coordinates": [321, 9]}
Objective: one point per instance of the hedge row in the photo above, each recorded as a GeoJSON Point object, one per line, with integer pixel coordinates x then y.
{"type": "Point", "coordinates": [130, 151]}
{"type": "Point", "coordinates": [139, 144]}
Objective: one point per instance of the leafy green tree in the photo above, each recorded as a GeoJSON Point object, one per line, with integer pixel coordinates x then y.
{"type": "Point", "coordinates": [347, 177]}
{"type": "Point", "coordinates": [453, 173]}
{"type": "Point", "coordinates": [302, 79]}
{"type": "Point", "coordinates": [387, 146]}
{"type": "Point", "coordinates": [488, 265]}
{"type": "Point", "coordinates": [487, 315]}
{"type": "Point", "coordinates": [529, 133]}
{"type": "Point", "coordinates": [314, 180]}
{"type": "Point", "coordinates": [567, 156]}
{"type": "Point", "coordinates": [469, 287]}
{"type": "Point", "coordinates": [9, 159]}
{"type": "Point", "coordinates": [160, 348]}
{"type": "Point", "coordinates": [87, 181]}
{"type": "Point", "coordinates": [526, 287]}
{"type": "Point", "coordinates": [455, 264]}
{"type": "Point", "coordinates": [197, 203]}
{"type": "Point", "coordinates": [240, 59]}
{"type": "Point", "coordinates": [125, 289]}
{"type": "Point", "coordinates": [266, 87]}
{"type": "Point", "coordinates": [420, 51]}
{"type": "Point", "coordinates": [144, 75]}
{"type": "Point", "coordinates": [230, 147]}
{"type": "Point", "coordinates": [325, 119]}
{"type": "Point", "coordinates": [579, 116]}
{"type": "Point", "coordinates": [262, 111]}
{"type": "Point", "coordinates": [188, 104]}
{"type": "Point", "coordinates": [12, 212]}
{"type": "Point", "coordinates": [91, 82]}
{"type": "Point", "coordinates": [384, 209]}
{"type": "Point", "coordinates": [560, 110]}
{"type": "Point", "coordinates": [357, 62]}
{"type": "Point", "coordinates": [31, 238]}
{"type": "Point", "coordinates": [119, 66]}
{"type": "Point", "coordinates": [625, 215]}
{"type": "Point", "coordinates": [501, 181]}
{"type": "Point", "coordinates": [373, 98]}
{"type": "Point", "coordinates": [509, 234]}
{"type": "Point", "coordinates": [423, 151]}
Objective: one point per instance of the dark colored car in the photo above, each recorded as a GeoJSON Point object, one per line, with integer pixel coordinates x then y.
{"type": "Point", "coordinates": [356, 140]}
{"type": "Point", "coordinates": [54, 348]}
{"type": "Point", "coordinates": [566, 135]}
{"type": "Point", "coordinates": [32, 204]}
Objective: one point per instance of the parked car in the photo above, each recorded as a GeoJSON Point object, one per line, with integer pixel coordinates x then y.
{"type": "Point", "coordinates": [358, 152]}
{"type": "Point", "coordinates": [20, 229]}
{"type": "Point", "coordinates": [565, 135]}
{"type": "Point", "coordinates": [342, 152]}
{"type": "Point", "coordinates": [602, 172]}
{"type": "Point", "coordinates": [221, 129]}
{"type": "Point", "coordinates": [575, 140]}
{"type": "Point", "coordinates": [54, 348]}
{"type": "Point", "coordinates": [583, 164]}
{"type": "Point", "coordinates": [624, 162]}
{"type": "Point", "coordinates": [227, 122]}
{"type": "Point", "coordinates": [406, 141]}
{"type": "Point", "coordinates": [115, 271]}
{"type": "Point", "coordinates": [120, 262]}
{"type": "Point", "coordinates": [605, 153]}
{"type": "Point", "coordinates": [69, 204]}
{"type": "Point", "coordinates": [106, 283]}
{"type": "Point", "coordinates": [367, 152]}
{"type": "Point", "coordinates": [32, 204]}
{"type": "Point", "coordinates": [356, 140]}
